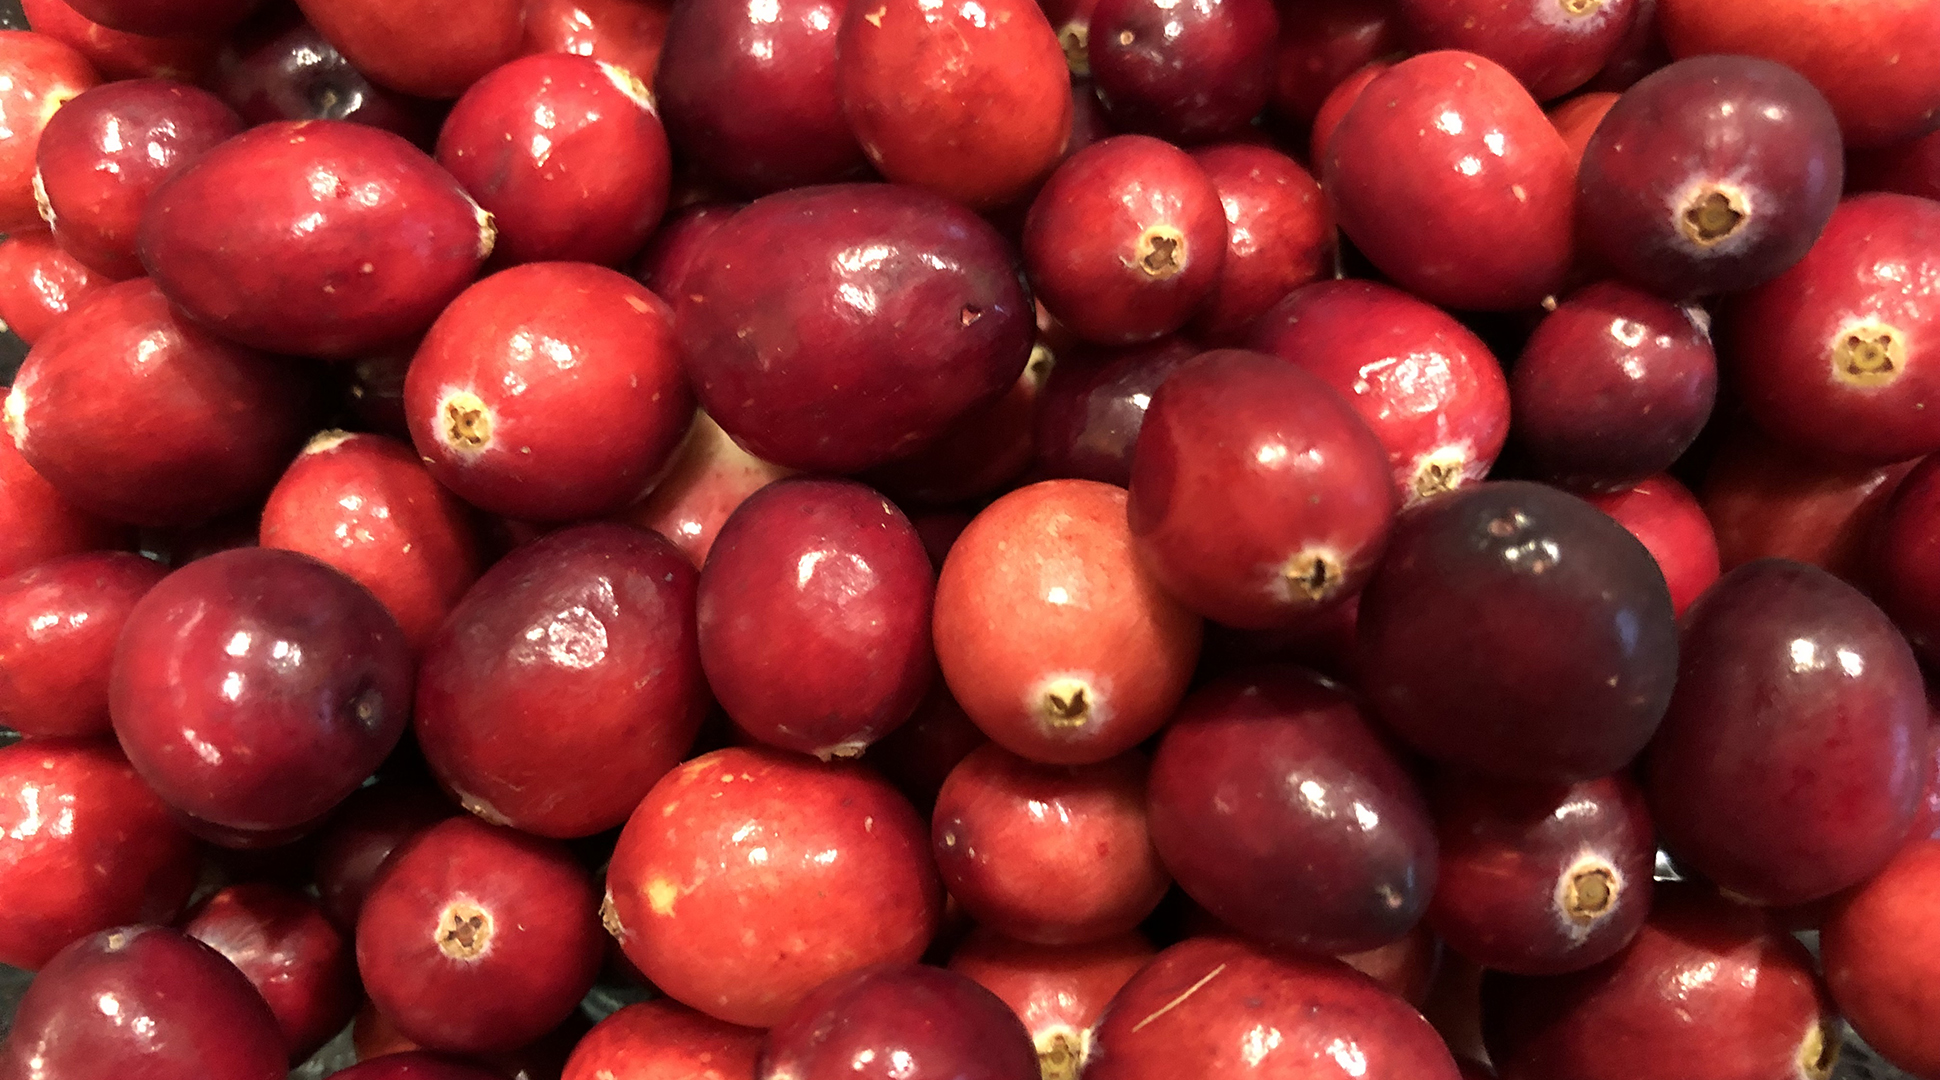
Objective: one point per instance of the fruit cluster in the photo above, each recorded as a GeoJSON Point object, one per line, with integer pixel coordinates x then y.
{"type": "Point", "coordinates": [972, 539]}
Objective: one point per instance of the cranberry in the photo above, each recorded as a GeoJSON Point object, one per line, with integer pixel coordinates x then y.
{"type": "Point", "coordinates": [254, 689]}
{"type": "Point", "coordinates": [920, 754]}
{"type": "Point", "coordinates": [664, 263]}
{"type": "Point", "coordinates": [117, 54]}
{"type": "Point", "coordinates": [84, 845]}
{"type": "Point", "coordinates": [478, 938]}
{"type": "Point", "coordinates": [43, 525]}
{"type": "Point", "coordinates": [1515, 630]}
{"type": "Point", "coordinates": [1550, 46]}
{"type": "Point", "coordinates": [372, 389]}
{"type": "Point", "coordinates": [142, 417]}
{"type": "Point", "coordinates": [1324, 42]}
{"type": "Point", "coordinates": [595, 622]}
{"type": "Point", "coordinates": [41, 76]}
{"type": "Point", "coordinates": [1058, 991]}
{"type": "Point", "coordinates": [709, 476]}
{"type": "Point", "coordinates": [1447, 175]}
{"type": "Point", "coordinates": [302, 965]}
{"type": "Point", "coordinates": [1666, 517]}
{"type": "Point", "coordinates": [628, 34]}
{"type": "Point", "coordinates": [839, 327]}
{"type": "Point", "coordinates": [1094, 405]}
{"type": "Point", "coordinates": [1903, 558]}
{"type": "Point", "coordinates": [1126, 240]}
{"type": "Point", "coordinates": [289, 72]}
{"type": "Point", "coordinates": [354, 240]}
{"type": "Point", "coordinates": [142, 1001]}
{"type": "Point", "coordinates": [1278, 236]}
{"type": "Point", "coordinates": [431, 48]}
{"type": "Point", "coordinates": [1877, 944]}
{"type": "Point", "coordinates": [897, 1021]}
{"type": "Point", "coordinates": [663, 1040]}
{"type": "Point", "coordinates": [159, 17]}
{"type": "Point", "coordinates": [40, 284]}
{"type": "Point", "coordinates": [1050, 633]}
{"type": "Point", "coordinates": [1576, 119]}
{"type": "Point", "coordinates": [414, 1065]}
{"type": "Point", "coordinates": [1407, 966]}
{"type": "Point", "coordinates": [972, 102]}
{"type": "Point", "coordinates": [374, 1037]}
{"type": "Point", "coordinates": [1333, 109]}
{"type": "Point", "coordinates": [58, 624]}
{"type": "Point", "coordinates": [1787, 767]}
{"type": "Point", "coordinates": [977, 456]}
{"type": "Point", "coordinates": [367, 828]}
{"type": "Point", "coordinates": [1910, 168]}
{"type": "Point", "coordinates": [748, 877]}
{"type": "Point", "coordinates": [1185, 73]}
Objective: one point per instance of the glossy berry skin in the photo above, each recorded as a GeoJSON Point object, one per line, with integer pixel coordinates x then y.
{"type": "Point", "coordinates": [816, 359]}
{"type": "Point", "coordinates": [1278, 236]}
{"type": "Point", "coordinates": [43, 525]}
{"type": "Point", "coordinates": [1788, 767]}
{"type": "Point", "coordinates": [663, 264]}
{"type": "Point", "coordinates": [1333, 109]}
{"type": "Point", "coordinates": [919, 755]}
{"type": "Point", "coordinates": [1258, 496]}
{"type": "Point", "coordinates": [1281, 812]}
{"type": "Point", "coordinates": [1876, 943]}
{"type": "Point", "coordinates": [567, 156]}
{"type": "Point", "coordinates": [1446, 174]}
{"type": "Point", "coordinates": [625, 33]}
{"type": "Point", "coordinates": [814, 617]}
{"type": "Point", "coordinates": [116, 54]}
{"type": "Point", "coordinates": [1576, 118]}
{"type": "Point", "coordinates": [1333, 1022]}
{"type": "Point", "coordinates": [1668, 519]}
{"type": "Point", "coordinates": [1058, 991]}
{"type": "Point", "coordinates": [254, 689]}
{"type": "Point", "coordinates": [978, 456]}
{"type": "Point", "coordinates": [749, 876]}
{"type": "Point", "coordinates": [1711, 175]}
{"type": "Point", "coordinates": [1905, 545]}
{"type": "Point", "coordinates": [1050, 632]}
{"type": "Point", "coordinates": [142, 1001]}
{"type": "Point", "coordinates": [365, 830]}
{"type": "Point", "coordinates": [1448, 658]}
{"type": "Point", "coordinates": [303, 966]}
{"type": "Point", "coordinates": [1550, 46]}
{"type": "Point", "coordinates": [84, 845]}
{"type": "Point", "coordinates": [58, 625]}
{"type": "Point", "coordinates": [40, 283]}
{"type": "Point", "coordinates": [42, 75]}
{"type": "Point", "coordinates": [709, 477]}
{"type": "Point", "coordinates": [972, 103]}
{"type": "Point", "coordinates": [595, 621]}
{"type": "Point", "coordinates": [899, 1022]}
{"type": "Point", "coordinates": [1322, 44]}
{"type": "Point", "coordinates": [549, 392]}
{"type": "Point", "coordinates": [1185, 74]}
{"type": "Point", "coordinates": [1094, 404]}
{"type": "Point", "coordinates": [387, 238]}
{"type": "Point", "coordinates": [289, 71]}
{"type": "Point", "coordinates": [664, 1040]}
{"type": "Point", "coordinates": [1835, 354]}
{"type": "Point", "coordinates": [433, 49]}
{"type": "Point", "coordinates": [1125, 240]}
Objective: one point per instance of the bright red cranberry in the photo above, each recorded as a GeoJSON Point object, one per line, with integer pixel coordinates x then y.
{"type": "Point", "coordinates": [254, 689]}
{"type": "Point", "coordinates": [1666, 517]}
{"type": "Point", "coordinates": [1833, 355]}
{"type": "Point", "coordinates": [920, 754]}
{"type": "Point", "coordinates": [41, 75]}
{"type": "Point", "coordinates": [1613, 386]}
{"type": "Point", "coordinates": [361, 836]}
{"type": "Point", "coordinates": [142, 1001]}
{"type": "Point", "coordinates": [1281, 812]}
{"type": "Point", "coordinates": [478, 937]}
{"type": "Point", "coordinates": [354, 240]}
{"type": "Point", "coordinates": [1787, 767]}
{"type": "Point", "coordinates": [1909, 168]}
{"type": "Point", "coordinates": [897, 1021]}
{"type": "Point", "coordinates": [1576, 118]}
{"type": "Point", "coordinates": [1213, 1006]}
{"type": "Point", "coordinates": [1094, 405]}
{"type": "Point", "coordinates": [1905, 555]}
{"type": "Point", "coordinates": [664, 263]}
{"type": "Point", "coordinates": [58, 625]}
{"type": "Point", "coordinates": [1051, 634]}
{"type": "Point", "coordinates": [750, 876]}
{"type": "Point", "coordinates": [629, 34]}
{"type": "Point", "coordinates": [303, 966]}
{"type": "Point", "coordinates": [117, 54]}
{"type": "Point", "coordinates": [1454, 183]}
{"type": "Point", "coordinates": [709, 476]}
{"type": "Point", "coordinates": [43, 525]}
{"type": "Point", "coordinates": [1186, 73]}
{"type": "Point", "coordinates": [432, 48]}
{"type": "Point", "coordinates": [1333, 109]}
{"type": "Point", "coordinates": [1126, 240]}
{"type": "Point", "coordinates": [415, 1065]}
{"type": "Point", "coordinates": [1709, 990]}
{"type": "Point", "coordinates": [287, 71]}
{"type": "Point", "coordinates": [1550, 46]}
{"type": "Point", "coordinates": [1059, 991]}
{"type": "Point", "coordinates": [84, 845]}
{"type": "Point", "coordinates": [140, 416]}
{"type": "Point", "coordinates": [1494, 606]}
{"type": "Point", "coordinates": [972, 102]}
{"type": "Point", "coordinates": [1430, 389]}
{"type": "Point", "coordinates": [595, 622]}
{"type": "Point", "coordinates": [40, 283]}
{"type": "Point", "coordinates": [549, 392]}
{"type": "Point", "coordinates": [839, 327]}
{"type": "Point", "coordinates": [1878, 945]}
{"type": "Point", "coordinates": [980, 455]}
{"type": "Point", "coordinates": [1278, 236]}
{"type": "Point", "coordinates": [1324, 42]}
{"type": "Point", "coordinates": [664, 1040]}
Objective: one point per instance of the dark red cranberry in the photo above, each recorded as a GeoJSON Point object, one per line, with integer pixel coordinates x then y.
{"type": "Point", "coordinates": [1282, 813]}
{"type": "Point", "coordinates": [375, 821]}
{"type": "Point", "coordinates": [748, 877]}
{"type": "Point", "coordinates": [84, 845]}
{"type": "Point", "coordinates": [1059, 991]}
{"type": "Point", "coordinates": [1324, 42]}
{"type": "Point", "coordinates": [43, 525]}
{"type": "Point", "coordinates": [1259, 497]}
{"type": "Point", "coordinates": [1905, 557]}
{"type": "Point", "coordinates": [374, 1037]}
{"type": "Point", "coordinates": [292, 73]}
{"type": "Point", "coordinates": [1787, 768]}
{"type": "Point", "coordinates": [1278, 236]}
{"type": "Point", "coordinates": [432, 48]}
{"type": "Point", "coordinates": [709, 476]}
{"type": "Point", "coordinates": [669, 255]}
{"type": "Point", "coordinates": [1094, 404]}
{"type": "Point", "coordinates": [1638, 53]}
{"type": "Point", "coordinates": [835, 328]}
{"type": "Point", "coordinates": [629, 34]}
{"type": "Point", "coordinates": [354, 240]}
{"type": "Point", "coordinates": [664, 1040]}
{"type": "Point", "coordinates": [41, 75]}
{"type": "Point", "coordinates": [40, 284]}
{"type": "Point", "coordinates": [414, 1065]}
{"type": "Point", "coordinates": [1711, 175]}
{"type": "Point", "coordinates": [142, 1001]}
{"type": "Point", "coordinates": [1333, 109]}
{"type": "Point", "coordinates": [978, 456]}
{"type": "Point", "coordinates": [1125, 240]}
{"type": "Point", "coordinates": [1448, 176]}
{"type": "Point", "coordinates": [1576, 118]}
{"type": "Point", "coordinates": [117, 54]}
{"type": "Point", "coordinates": [161, 17]}
{"type": "Point", "coordinates": [920, 754]}
{"type": "Point", "coordinates": [1051, 633]}
{"type": "Point", "coordinates": [595, 622]}
{"type": "Point", "coordinates": [303, 966]}
{"type": "Point", "coordinates": [1909, 168]}
{"type": "Point", "coordinates": [1550, 46]}
{"type": "Point", "coordinates": [899, 1022]}
{"type": "Point", "coordinates": [1666, 517]}
{"type": "Point", "coordinates": [1515, 630]}
{"type": "Point", "coordinates": [254, 689]}
{"type": "Point", "coordinates": [1187, 73]}
{"type": "Point", "coordinates": [58, 625]}
{"type": "Point", "coordinates": [139, 416]}
{"type": "Point", "coordinates": [1877, 945]}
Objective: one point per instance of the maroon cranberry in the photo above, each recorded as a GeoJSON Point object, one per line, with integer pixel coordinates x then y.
{"type": "Point", "coordinates": [291, 73]}
{"type": "Point", "coordinates": [414, 1065]}
{"type": "Point", "coordinates": [1666, 517]}
{"type": "Point", "coordinates": [1576, 119]}
{"type": "Point", "coordinates": [374, 1037]}
{"type": "Point", "coordinates": [1905, 555]}
{"type": "Point", "coordinates": [58, 624]}
{"type": "Point", "coordinates": [1324, 42]}
{"type": "Point", "coordinates": [748, 877]}
{"type": "Point", "coordinates": [302, 965]}
{"type": "Point", "coordinates": [1058, 991]}
{"type": "Point", "coordinates": [1448, 176]}
{"type": "Point", "coordinates": [40, 283]}
{"type": "Point", "coordinates": [1787, 767]}
{"type": "Point", "coordinates": [1125, 240]}
{"type": "Point", "coordinates": [709, 476]}
{"type": "Point", "coordinates": [1213, 1006]}
{"type": "Point", "coordinates": [41, 76]}
{"type": "Point", "coordinates": [254, 689]}
{"type": "Point", "coordinates": [140, 416]}
{"type": "Point", "coordinates": [142, 1001]}
{"type": "Point", "coordinates": [354, 240]}
{"type": "Point", "coordinates": [1515, 630]}
{"type": "Point", "coordinates": [664, 264]}
{"type": "Point", "coordinates": [1550, 46]}
{"type": "Point", "coordinates": [43, 525]}
{"type": "Point", "coordinates": [595, 622]}
{"type": "Point", "coordinates": [375, 821]}
{"type": "Point", "coordinates": [980, 455]}
{"type": "Point", "coordinates": [835, 328]}
{"type": "Point", "coordinates": [629, 34]}
{"type": "Point", "coordinates": [479, 938]}
{"type": "Point", "coordinates": [1094, 404]}
{"type": "Point", "coordinates": [1878, 945]}
{"type": "Point", "coordinates": [117, 54]}
{"type": "Point", "coordinates": [431, 48]}
{"type": "Point", "coordinates": [162, 17]}
{"type": "Point", "coordinates": [1909, 168]}
{"type": "Point", "coordinates": [1282, 813]}
{"type": "Point", "coordinates": [84, 845]}
{"type": "Point", "coordinates": [663, 1040]}
{"type": "Point", "coordinates": [1430, 389]}
{"type": "Point", "coordinates": [920, 754]}
{"type": "Point", "coordinates": [1333, 109]}
{"type": "Point", "coordinates": [1407, 966]}
{"type": "Point", "coordinates": [1278, 236]}
{"type": "Point", "coordinates": [1187, 73]}
{"type": "Point", "coordinates": [899, 1022]}
{"type": "Point", "coordinates": [1614, 385]}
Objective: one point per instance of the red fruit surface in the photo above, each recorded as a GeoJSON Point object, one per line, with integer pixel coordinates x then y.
{"type": "Point", "coordinates": [628, 34]}
{"type": "Point", "coordinates": [58, 623]}
{"type": "Point", "coordinates": [1183, 73]}
{"type": "Point", "coordinates": [1059, 991]}
{"type": "Point", "coordinates": [41, 75]}
{"type": "Point", "coordinates": [1407, 966]}
{"type": "Point", "coordinates": [351, 850]}
{"type": "Point", "coordinates": [708, 477]}
{"type": "Point", "coordinates": [1333, 108]}
{"type": "Point", "coordinates": [1094, 405]}
{"type": "Point", "coordinates": [154, 17]}
{"type": "Point", "coordinates": [897, 1021]}
{"type": "Point", "coordinates": [1576, 118]}
{"type": "Point", "coordinates": [1278, 236]}
{"type": "Point", "coordinates": [978, 456]}
{"type": "Point", "coordinates": [1323, 43]}
{"type": "Point", "coordinates": [414, 1065]}
{"type": "Point", "coordinates": [40, 283]}
{"type": "Point", "coordinates": [1910, 168]}
{"type": "Point", "coordinates": [42, 524]}
{"type": "Point", "coordinates": [116, 54]}
{"type": "Point", "coordinates": [303, 966]}
{"type": "Point", "coordinates": [431, 48]}
{"type": "Point", "coordinates": [1904, 552]}
{"type": "Point", "coordinates": [1877, 943]}
{"type": "Point", "coordinates": [1550, 46]}
{"type": "Point", "coordinates": [1666, 517]}
{"type": "Point", "coordinates": [920, 754]}
{"type": "Point", "coordinates": [664, 1040]}
{"type": "Point", "coordinates": [280, 68]}
{"type": "Point", "coordinates": [664, 263]}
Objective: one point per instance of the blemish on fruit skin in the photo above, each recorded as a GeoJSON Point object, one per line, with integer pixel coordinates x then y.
{"type": "Point", "coordinates": [1180, 1000]}
{"type": "Point", "coordinates": [661, 895]}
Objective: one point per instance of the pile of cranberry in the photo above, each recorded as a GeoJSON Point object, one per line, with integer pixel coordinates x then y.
{"type": "Point", "coordinates": [970, 540]}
